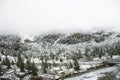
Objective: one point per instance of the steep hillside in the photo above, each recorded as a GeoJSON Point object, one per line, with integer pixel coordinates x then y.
{"type": "Point", "coordinates": [21, 55]}
{"type": "Point", "coordinates": [76, 38]}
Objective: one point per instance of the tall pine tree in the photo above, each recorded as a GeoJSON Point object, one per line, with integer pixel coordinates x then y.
{"type": "Point", "coordinates": [7, 62]}
{"type": "Point", "coordinates": [0, 70]}
{"type": "Point", "coordinates": [28, 66]}
{"type": "Point", "coordinates": [70, 65]}
{"type": "Point", "coordinates": [76, 64]}
{"type": "Point", "coordinates": [34, 70]}
{"type": "Point", "coordinates": [44, 66]}
{"type": "Point", "coordinates": [20, 63]}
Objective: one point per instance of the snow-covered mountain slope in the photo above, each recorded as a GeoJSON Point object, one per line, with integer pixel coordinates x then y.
{"type": "Point", "coordinates": [56, 49]}
{"type": "Point", "coordinates": [71, 42]}
{"type": "Point", "coordinates": [53, 43]}
{"type": "Point", "coordinates": [76, 38]}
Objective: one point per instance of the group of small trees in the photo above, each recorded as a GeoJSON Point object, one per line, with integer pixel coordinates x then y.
{"type": "Point", "coordinates": [97, 52]}
{"type": "Point", "coordinates": [31, 68]}
{"type": "Point", "coordinates": [6, 62]}
{"type": "Point", "coordinates": [113, 49]}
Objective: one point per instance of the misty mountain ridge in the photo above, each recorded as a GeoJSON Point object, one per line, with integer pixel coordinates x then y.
{"type": "Point", "coordinates": [53, 42]}
{"type": "Point", "coordinates": [74, 38]}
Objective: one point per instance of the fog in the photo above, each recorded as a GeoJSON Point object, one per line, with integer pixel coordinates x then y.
{"type": "Point", "coordinates": [39, 16]}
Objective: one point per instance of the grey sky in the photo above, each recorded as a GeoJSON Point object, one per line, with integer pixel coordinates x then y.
{"type": "Point", "coordinates": [32, 16]}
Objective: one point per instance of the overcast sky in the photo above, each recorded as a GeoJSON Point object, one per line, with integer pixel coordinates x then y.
{"type": "Point", "coordinates": [33, 16]}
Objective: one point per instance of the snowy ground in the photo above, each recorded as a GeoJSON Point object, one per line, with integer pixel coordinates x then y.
{"type": "Point", "coordinates": [94, 74]}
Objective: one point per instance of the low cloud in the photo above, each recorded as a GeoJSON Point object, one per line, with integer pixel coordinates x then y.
{"type": "Point", "coordinates": [39, 16]}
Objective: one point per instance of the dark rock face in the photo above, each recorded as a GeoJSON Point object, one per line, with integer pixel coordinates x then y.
{"type": "Point", "coordinates": [28, 41]}
{"type": "Point", "coordinates": [76, 38]}
{"type": "Point", "coordinates": [4, 79]}
{"type": "Point", "coordinates": [36, 78]}
{"type": "Point", "coordinates": [118, 35]}
{"type": "Point", "coordinates": [102, 36]}
{"type": "Point", "coordinates": [51, 38]}
{"type": "Point", "coordinates": [99, 39]}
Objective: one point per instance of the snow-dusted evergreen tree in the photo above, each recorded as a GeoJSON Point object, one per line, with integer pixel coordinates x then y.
{"type": "Point", "coordinates": [20, 63]}
{"type": "Point", "coordinates": [79, 54]}
{"type": "Point", "coordinates": [61, 60]}
{"type": "Point", "coordinates": [2, 52]}
{"type": "Point", "coordinates": [97, 52]}
{"type": "Point", "coordinates": [117, 48]}
{"type": "Point", "coordinates": [0, 69]}
{"type": "Point", "coordinates": [86, 52]}
{"type": "Point", "coordinates": [76, 64]}
{"type": "Point", "coordinates": [28, 65]}
{"type": "Point", "coordinates": [0, 59]}
{"type": "Point", "coordinates": [70, 65]}
{"type": "Point", "coordinates": [34, 70]}
{"type": "Point", "coordinates": [12, 62]}
{"type": "Point", "coordinates": [8, 64]}
{"type": "Point", "coordinates": [44, 66]}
